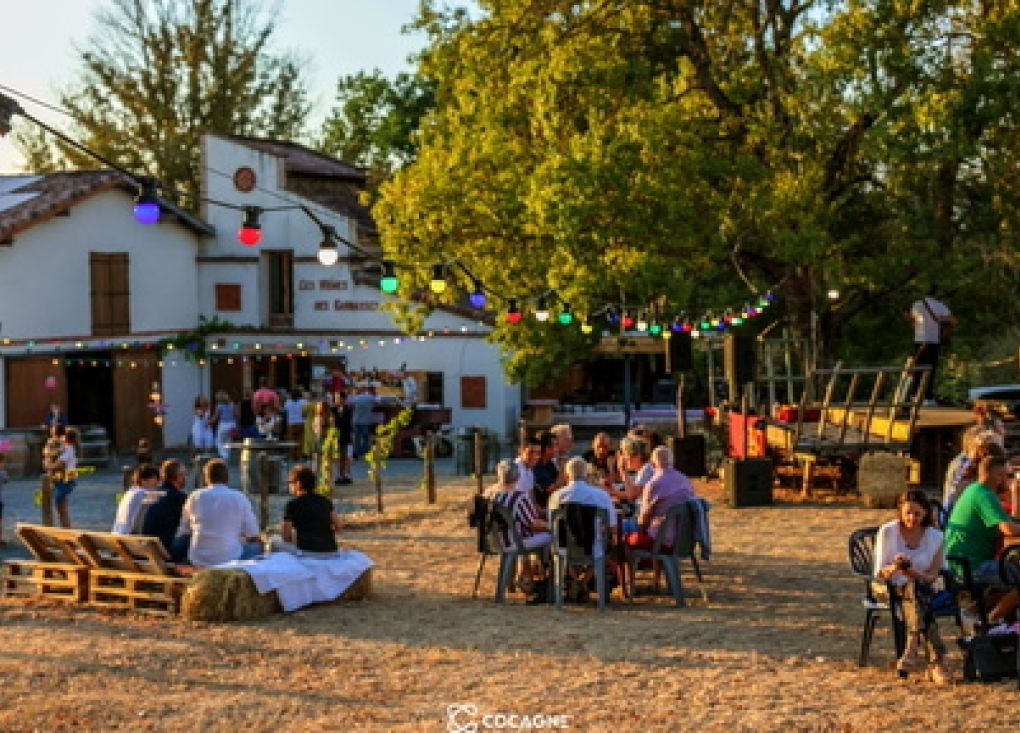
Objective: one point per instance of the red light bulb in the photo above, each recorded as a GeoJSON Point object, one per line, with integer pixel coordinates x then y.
{"type": "Point", "coordinates": [513, 317]}
{"type": "Point", "coordinates": [249, 236]}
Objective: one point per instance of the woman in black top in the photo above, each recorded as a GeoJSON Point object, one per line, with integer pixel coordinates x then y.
{"type": "Point", "coordinates": [309, 522]}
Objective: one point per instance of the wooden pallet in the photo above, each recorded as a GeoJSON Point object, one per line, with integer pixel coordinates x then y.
{"type": "Point", "coordinates": [60, 581]}
{"type": "Point", "coordinates": [136, 591]}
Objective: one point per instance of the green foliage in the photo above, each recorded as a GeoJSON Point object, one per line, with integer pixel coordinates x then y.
{"type": "Point", "coordinates": [694, 153]}
{"type": "Point", "coordinates": [328, 453]}
{"type": "Point", "coordinates": [193, 344]}
{"type": "Point", "coordinates": [156, 73]}
{"type": "Point", "coordinates": [376, 119]}
{"type": "Point", "coordinates": [382, 446]}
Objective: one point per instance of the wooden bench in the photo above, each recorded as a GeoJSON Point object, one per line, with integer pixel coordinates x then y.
{"type": "Point", "coordinates": [117, 571]}
{"type": "Point", "coordinates": [60, 569]}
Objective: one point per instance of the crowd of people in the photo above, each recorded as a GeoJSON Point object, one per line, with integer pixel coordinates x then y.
{"type": "Point", "coordinates": [636, 485]}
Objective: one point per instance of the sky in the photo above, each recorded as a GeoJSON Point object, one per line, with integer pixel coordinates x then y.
{"type": "Point", "coordinates": [339, 37]}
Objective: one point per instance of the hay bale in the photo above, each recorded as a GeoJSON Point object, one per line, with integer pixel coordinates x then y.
{"type": "Point", "coordinates": [226, 594]}
{"type": "Point", "coordinates": [229, 594]}
{"type": "Point", "coordinates": [881, 478]}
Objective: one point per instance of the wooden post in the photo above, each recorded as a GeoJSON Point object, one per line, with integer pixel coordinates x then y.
{"type": "Point", "coordinates": [430, 467]}
{"type": "Point", "coordinates": [46, 487]}
{"type": "Point", "coordinates": [522, 435]}
{"type": "Point", "coordinates": [263, 490]}
{"type": "Point", "coordinates": [378, 477]}
{"type": "Point", "coordinates": [479, 459]}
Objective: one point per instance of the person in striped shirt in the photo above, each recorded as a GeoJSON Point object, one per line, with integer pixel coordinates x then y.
{"type": "Point", "coordinates": [529, 521]}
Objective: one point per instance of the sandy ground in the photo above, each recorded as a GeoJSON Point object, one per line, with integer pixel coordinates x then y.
{"type": "Point", "coordinates": [774, 649]}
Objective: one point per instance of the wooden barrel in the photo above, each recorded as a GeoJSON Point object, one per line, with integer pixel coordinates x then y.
{"type": "Point", "coordinates": [14, 445]}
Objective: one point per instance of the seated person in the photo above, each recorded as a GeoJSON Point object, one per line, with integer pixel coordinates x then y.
{"type": "Point", "coordinates": [579, 491]}
{"type": "Point", "coordinates": [982, 448]}
{"type": "Point", "coordinates": [129, 508]}
{"type": "Point", "coordinates": [546, 472]}
{"type": "Point", "coordinates": [634, 469]}
{"type": "Point", "coordinates": [667, 488]}
{"type": "Point", "coordinates": [219, 521]}
{"type": "Point", "coordinates": [908, 552]}
{"type": "Point", "coordinates": [602, 458]}
{"type": "Point", "coordinates": [309, 522]}
{"type": "Point", "coordinates": [973, 531]}
{"type": "Point", "coordinates": [163, 517]}
{"type": "Point", "coordinates": [528, 520]}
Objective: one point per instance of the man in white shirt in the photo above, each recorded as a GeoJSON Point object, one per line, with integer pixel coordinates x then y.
{"type": "Point", "coordinates": [126, 521]}
{"type": "Point", "coordinates": [928, 314]}
{"type": "Point", "coordinates": [220, 521]}
{"type": "Point", "coordinates": [579, 491]}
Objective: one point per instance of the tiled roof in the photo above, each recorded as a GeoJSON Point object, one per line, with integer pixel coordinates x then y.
{"type": "Point", "coordinates": [45, 196]}
{"type": "Point", "coordinates": [299, 159]}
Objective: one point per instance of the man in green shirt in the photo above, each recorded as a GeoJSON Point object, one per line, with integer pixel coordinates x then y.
{"type": "Point", "coordinates": [973, 529]}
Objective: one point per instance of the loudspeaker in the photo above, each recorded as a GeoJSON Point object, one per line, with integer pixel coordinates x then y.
{"type": "Point", "coordinates": [689, 455]}
{"type": "Point", "coordinates": [748, 481]}
{"type": "Point", "coordinates": [739, 358]}
{"type": "Point", "coordinates": [681, 352]}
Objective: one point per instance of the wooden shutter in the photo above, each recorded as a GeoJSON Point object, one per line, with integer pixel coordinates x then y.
{"type": "Point", "coordinates": [228, 296]}
{"type": "Point", "coordinates": [110, 295]}
{"type": "Point", "coordinates": [472, 393]}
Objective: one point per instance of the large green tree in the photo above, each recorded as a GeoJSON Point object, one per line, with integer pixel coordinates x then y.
{"type": "Point", "coordinates": [156, 73]}
{"type": "Point", "coordinates": [376, 120]}
{"type": "Point", "coordinates": [696, 152]}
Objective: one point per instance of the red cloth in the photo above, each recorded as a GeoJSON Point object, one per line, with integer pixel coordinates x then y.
{"type": "Point", "coordinates": [643, 541]}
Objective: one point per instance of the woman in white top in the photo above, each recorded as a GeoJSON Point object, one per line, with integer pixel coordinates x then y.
{"type": "Point", "coordinates": [225, 422]}
{"type": "Point", "coordinates": [202, 438]}
{"type": "Point", "coordinates": [908, 552]}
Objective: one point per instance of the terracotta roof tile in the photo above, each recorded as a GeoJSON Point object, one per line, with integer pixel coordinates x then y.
{"type": "Point", "coordinates": [56, 193]}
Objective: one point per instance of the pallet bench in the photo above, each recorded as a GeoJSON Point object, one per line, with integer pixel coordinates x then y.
{"type": "Point", "coordinates": [134, 573]}
{"type": "Point", "coordinates": [115, 571]}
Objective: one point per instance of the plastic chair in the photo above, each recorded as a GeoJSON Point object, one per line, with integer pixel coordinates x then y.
{"type": "Point", "coordinates": [964, 582]}
{"type": "Point", "coordinates": [939, 514]}
{"type": "Point", "coordinates": [861, 554]}
{"type": "Point", "coordinates": [579, 532]}
{"type": "Point", "coordinates": [501, 537]}
{"type": "Point", "coordinates": [683, 517]}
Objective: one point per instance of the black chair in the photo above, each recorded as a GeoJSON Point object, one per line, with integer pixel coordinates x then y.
{"type": "Point", "coordinates": [963, 582]}
{"type": "Point", "coordinates": [861, 554]}
{"type": "Point", "coordinates": [1009, 572]}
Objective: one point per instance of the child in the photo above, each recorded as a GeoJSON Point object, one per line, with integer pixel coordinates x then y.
{"type": "Point", "coordinates": [3, 480]}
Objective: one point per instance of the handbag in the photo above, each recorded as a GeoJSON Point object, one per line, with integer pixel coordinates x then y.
{"type": "Point", "coordinates": [944, 324]}
{"type": "Point", "coordinates": [990, 657]}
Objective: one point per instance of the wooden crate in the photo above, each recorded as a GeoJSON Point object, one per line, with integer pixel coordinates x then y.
{"type": "Point", "coordinates": [51, 580]}
{"type": "Point", "coordinates": [159, 595]}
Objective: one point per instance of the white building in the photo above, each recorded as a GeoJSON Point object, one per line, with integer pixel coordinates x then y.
{"type": "Point", "coordinates": [89, 294]}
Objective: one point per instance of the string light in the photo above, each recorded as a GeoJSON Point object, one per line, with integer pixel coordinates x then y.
{"type": "Point", "coordinates": [250, 232]}
{"type": "Point", "coordinates": [477, 298]}
{"type": "Point", "coordinates": [147, 209]}
{"type": "Point", "coordinates": [586, 326]}
{"type": "Point", "coordinates": [388, 283]}
{"type": "Point", "coordinates": [565, 317]}
{"type": "Point", "coordinates": [627, 321]}
{"type": "Point", "coordinates": [328, 253]}
{"type": "Point", "coordinates": [438, 282]}
{"type": "Point", "coordinates": [513, 313]}
{"type": "Point", "coordinates": [542, 311]}
{"type": "Point", "coordinates": [642, 324]}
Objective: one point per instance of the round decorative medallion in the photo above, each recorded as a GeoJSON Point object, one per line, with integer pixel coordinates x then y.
{"type": "Point", "coordinates": [244, 179]}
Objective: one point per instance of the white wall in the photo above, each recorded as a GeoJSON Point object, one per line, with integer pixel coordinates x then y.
{"type": "Point", "coordinates": [181, 382]}
{"type": "Point", "coordinates": [44, 275]}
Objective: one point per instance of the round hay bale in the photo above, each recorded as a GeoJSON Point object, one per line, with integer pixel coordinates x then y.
{"type": "Point", "coordinates": [226, 594]}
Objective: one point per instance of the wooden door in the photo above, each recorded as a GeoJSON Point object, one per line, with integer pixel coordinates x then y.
{"type": "Point", "coordinates": [134, 372]}
{"type": "Point", "coordinates": [28, 397]}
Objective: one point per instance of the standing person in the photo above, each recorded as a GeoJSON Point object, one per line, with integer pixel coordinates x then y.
{"type": "Point", "coordinates": [264, 396]}
{"type": "Point", "coordinates": [908, 553]}
{"type": "Point", "coordinates": [310, 523]}
{"type": "Point", "coordinates": [63, 469]}
{"type": "Point", "coordinates": [362, 420]}
{"type": "Point", "coordinates": [219, 521]}
{"type": "Point", "coordinates": [246, 427]}
{"type": "Point", "coordinates": [343, 415]}
{"type": "Point", "coordinates": [226, 422]}
{"type": "Point", "coordinates": [202, 439]}
{"type": "Point", "coordinates": [293, 408]}
{"type": "Point", "coordinates": [931, 318]}
{"type": "Point", "coordinates": [4, 478]}
{"type": "Point", "coordinates": [164, 516]}
{"type": "Point", "coordinates": [54, 417]}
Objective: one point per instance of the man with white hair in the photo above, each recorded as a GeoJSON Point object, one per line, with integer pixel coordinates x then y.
{"type": "Point", "coordinates": [667, 488]}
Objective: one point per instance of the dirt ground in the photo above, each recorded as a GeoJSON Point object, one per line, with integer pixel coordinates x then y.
{"type": "Point", "coordinates": [774, 648]}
